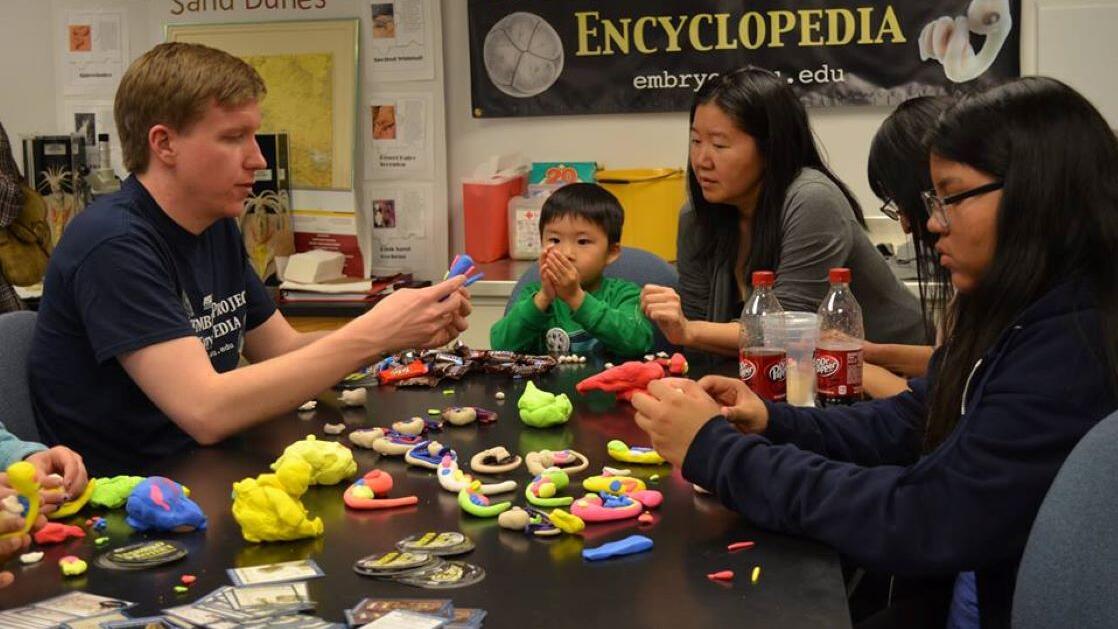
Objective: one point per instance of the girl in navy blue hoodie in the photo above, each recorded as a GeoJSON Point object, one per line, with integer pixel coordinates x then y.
{"type": "Point", "coordinates": [948, 476]}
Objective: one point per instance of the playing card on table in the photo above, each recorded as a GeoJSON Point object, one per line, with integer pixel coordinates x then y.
{"type": "Point", "coordinates": [83, 604]}
{"type": "Point", "coordinates": [20, 618]}
{"type": "Point", "coordinates": [276, 572]}
{"type": "Point", "coordinates": [370, 609]}
{"type": "Point", "coordinates": [466, 618]}
{"type": "Point", "coordinates": [294, 621]}
{"type": "Point", "coordinates": [193, 615]}
{"type": "Point", "coordinates": [282, 594]}
{"type": "Point", "coordinates": [93, 622]}
{"type": "Point", "coordinates": [148, 622]}
{"type": "Point", "coordinates": [401, 619]}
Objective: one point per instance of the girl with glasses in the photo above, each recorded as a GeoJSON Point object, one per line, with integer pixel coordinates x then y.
{"type": "Point", "coordinates": [947, 478]}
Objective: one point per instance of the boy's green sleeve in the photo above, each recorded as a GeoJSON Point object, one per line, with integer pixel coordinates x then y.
{"type": "Point", "coordinates": [616, 319]}
{"type": "Point", "coordinates": [524, 327]}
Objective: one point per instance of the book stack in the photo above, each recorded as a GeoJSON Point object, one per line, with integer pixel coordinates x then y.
{"type": "Point", "coordinates": [344, 290]}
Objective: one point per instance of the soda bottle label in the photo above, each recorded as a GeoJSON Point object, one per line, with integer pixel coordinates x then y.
{"type": "Point", "coordinates": [765, 372]}
{"type": "Point", "coordinates": [838, 373]}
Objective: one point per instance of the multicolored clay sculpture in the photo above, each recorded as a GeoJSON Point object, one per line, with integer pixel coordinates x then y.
{"type": "Point", "coordinates": [465, 415]}
{"type": "Point", "coordinates": [494, 461]}
{"type": "Point", "coordinates": [611, 484]}
{"type": "Point", "coordinates": [22, 478]}
{"type": "Point", "coordinates": [369, 490]}
{"type": "Point", "coordinates": [428, 454]}
{"type": "Point", "coordinates": [268, 508]}
{"type": "Point", "coordinates": [542, 491]}
{"type": "Point", "coordinates": [112, 493]}
{"type": "Point", "coordinates": [605, 507]}
{"type": "Point", "coordinates": [366, 437]}
{"type": "Point", "coordinates": [569, 461]}
{"type": "Point", "coordinates": [160, 504]}
{"type": "Point", "coordinates": [475, 503]}
{"type": "Point", "coordinates": [454, 480]}
{"type": "Point", "coordinates": [541, 409]}
{"type": "Point", "coordinates": [330, 461]}
{"type": "Point", "coordinates": [412, 427]}
{"type": "Point", "coordinates": [396, 444]}
{"type": "Point", "coordinates": [73, 506]}
{"type": "Point", "coordinates": [620, 451]}
{"type": "Point", "coordinates": [531, 521]}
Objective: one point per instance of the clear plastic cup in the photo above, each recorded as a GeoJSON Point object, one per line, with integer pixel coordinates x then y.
{"type": "Point", "coordinates": [796, 333]}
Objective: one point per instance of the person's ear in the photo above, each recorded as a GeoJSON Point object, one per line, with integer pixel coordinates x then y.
{"type": "Point", "coordinates": [613, 253]}
{"type": "Point", "coordinates": [161, 144]}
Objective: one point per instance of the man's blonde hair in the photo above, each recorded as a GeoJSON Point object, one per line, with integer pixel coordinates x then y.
{"type": "Point", "coordinates": [173, 84]}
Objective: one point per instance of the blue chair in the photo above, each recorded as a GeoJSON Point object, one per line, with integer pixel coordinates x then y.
{"type": "Point", "coordinates": [635, 265]}
{"type": "Point", "coordinates": [16, 329]}
{"type": "Point", "coordinates": [1067, 576]}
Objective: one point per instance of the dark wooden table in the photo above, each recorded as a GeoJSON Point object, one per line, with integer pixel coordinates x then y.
{"type": "Point", "coordinates": [531, 582]}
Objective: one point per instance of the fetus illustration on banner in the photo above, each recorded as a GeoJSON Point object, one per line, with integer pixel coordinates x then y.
{"type": "Point", "coordinates": [947, 39]}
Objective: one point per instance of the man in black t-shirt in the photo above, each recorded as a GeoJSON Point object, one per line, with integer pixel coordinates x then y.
{"type": "Point", "coordinates": [149, 299]}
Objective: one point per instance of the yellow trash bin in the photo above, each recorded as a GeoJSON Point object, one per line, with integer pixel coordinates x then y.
{"type": "Point", "coordinates": [651, 198]}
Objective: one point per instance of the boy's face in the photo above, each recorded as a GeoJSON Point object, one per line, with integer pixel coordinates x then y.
{"type": "Point", "coordinates": [216, 160]}
{"type": "Point", "coordinates": [583, 243]}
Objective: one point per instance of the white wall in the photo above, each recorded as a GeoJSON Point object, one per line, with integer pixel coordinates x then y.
{"type": "Point", "coordinates": [27, 98]}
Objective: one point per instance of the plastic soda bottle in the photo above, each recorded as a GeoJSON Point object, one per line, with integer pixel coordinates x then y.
{"type": "Point", "coordinates": [762, 367]}
{"type": "Point", "coordinates": [838, 353]}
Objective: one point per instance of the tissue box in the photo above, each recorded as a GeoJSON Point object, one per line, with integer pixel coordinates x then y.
{"type": "Point", "coordinates": [314, 266]}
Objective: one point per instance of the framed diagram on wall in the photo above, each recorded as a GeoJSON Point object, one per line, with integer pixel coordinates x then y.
{"type": "Point", "coordinates": [310, 69]}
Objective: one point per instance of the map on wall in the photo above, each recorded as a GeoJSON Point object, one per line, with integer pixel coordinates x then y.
{"type": "Point", "coordinates": [300, 102]}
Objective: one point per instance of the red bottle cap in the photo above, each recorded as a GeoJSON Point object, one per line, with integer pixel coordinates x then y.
{"type": "Point", "coordinates": [763, 278]}
{"type": "Point", "coordinates": [839, 276]}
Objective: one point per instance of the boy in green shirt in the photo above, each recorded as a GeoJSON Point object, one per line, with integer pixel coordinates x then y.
{"type": "Point", "coordinates": [573, 309]}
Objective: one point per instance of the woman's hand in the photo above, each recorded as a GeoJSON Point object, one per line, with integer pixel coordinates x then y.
{"type": "Point", "coordinates": [663, 307]}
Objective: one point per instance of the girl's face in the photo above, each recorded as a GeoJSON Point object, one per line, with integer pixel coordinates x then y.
{"type": "Point", "coordinates": [726, 160]}
{"type": "Point", "coordinates": [967, 229]}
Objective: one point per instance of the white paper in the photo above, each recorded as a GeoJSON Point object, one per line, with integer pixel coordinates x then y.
{"type": "Point", "coordinates": [402, 619]}
{"type": "Point", "coordinates": [95, 50]}
{"type": "Point", "coordinates": [399, 137]}
{"type": "Point", "coordinates": [399, 39]}
{"type": "Point", "coordinates": [399, 216]}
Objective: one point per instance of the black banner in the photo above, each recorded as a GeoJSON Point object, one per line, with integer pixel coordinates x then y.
{"type": "Point", "coordinates": [547, 57]}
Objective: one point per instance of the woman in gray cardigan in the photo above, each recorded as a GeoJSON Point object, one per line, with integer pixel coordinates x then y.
{"type": "Point", "coordinates": [763, 199]}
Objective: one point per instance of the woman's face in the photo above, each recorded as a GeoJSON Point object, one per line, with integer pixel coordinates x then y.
{"type": "Point", "coordinates": [725, 159]}
{"type": "Point", "coordinates": [967, 244]}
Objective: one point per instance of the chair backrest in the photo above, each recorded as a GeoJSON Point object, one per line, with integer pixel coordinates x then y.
{"type": "Point", "coordinates": [1067, 576]}
{"type": "Point", "coordinates": [16, 329]}
{"type": "Point", "coordinates": [636, 265]}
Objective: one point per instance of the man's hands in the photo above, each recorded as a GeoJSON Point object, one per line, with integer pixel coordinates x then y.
{"type": "Point", "coordinates": [418, 318]}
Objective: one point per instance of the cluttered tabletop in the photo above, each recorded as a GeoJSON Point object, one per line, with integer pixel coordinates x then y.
{"type": "Point", "coordinates": [391, 515]}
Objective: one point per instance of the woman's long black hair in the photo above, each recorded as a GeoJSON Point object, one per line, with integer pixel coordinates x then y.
{"type": "Point", "coordinates": [762, 105]}
{"type": "Point", "coordinates": [898, 172]}
{"type": "Point", "coordinates": [1057, 220]}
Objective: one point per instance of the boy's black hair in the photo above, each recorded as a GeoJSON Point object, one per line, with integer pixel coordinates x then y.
{"type": "Point", "coordinates": [588, 201]}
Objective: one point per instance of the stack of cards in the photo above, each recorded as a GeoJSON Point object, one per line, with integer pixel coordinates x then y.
{"type": "Point", "coordinates": [72, 609]}
{"type": "Point", "coordinates": [238, 605]}
{"type": "Point", "coordinates": [299, 570]}
{"type": "Point", "coordinates": [418, 562]}
{"type": "Point", "coordinates": [142, 555]}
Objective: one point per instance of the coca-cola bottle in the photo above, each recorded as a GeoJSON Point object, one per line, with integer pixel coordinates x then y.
{"type": "Point", "coordinates": [760, 365]}
{"type": "Point", "coordinates": [838, 353]}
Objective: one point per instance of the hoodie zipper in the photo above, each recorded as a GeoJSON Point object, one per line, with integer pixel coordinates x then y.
{"type": "Point", "coordinates": [999, 347]}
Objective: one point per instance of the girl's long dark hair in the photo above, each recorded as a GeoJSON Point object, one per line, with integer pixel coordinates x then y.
{"type": "Point", "coordinates": [1057, 220]}
{"type": "Point", "coordinates": [898, 172]}
{"type": "Point", "coordinates": [762, 105]}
